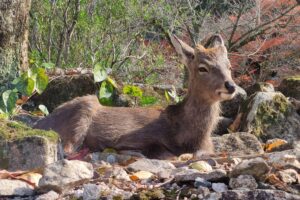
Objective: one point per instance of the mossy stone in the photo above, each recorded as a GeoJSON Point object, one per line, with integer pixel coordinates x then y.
{"type": "Point", "coordinates": [290, 87]}
{"type": "Point", "coordinates": [270, 115]}
{"type": "Point", "coordinates": [11, 131]}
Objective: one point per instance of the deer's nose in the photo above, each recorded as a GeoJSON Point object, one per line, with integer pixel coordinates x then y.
{"type": "Point", "coordinates": [230, 87]}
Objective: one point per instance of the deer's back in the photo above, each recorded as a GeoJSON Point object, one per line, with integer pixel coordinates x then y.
{"type": "Point", "coordinates": [84, 120]}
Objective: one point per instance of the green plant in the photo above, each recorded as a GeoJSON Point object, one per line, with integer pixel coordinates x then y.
{"type": "Point", "coordinates": [148, 100]}
{"type": "Point", "coordinates": [33, 80]}
{"type": "Point", "coordinates": [133, 91]}
{"type": "Point", "coordinates": [107, 87]}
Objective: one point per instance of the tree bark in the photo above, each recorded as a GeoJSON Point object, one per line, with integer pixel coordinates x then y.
{"type": "Point", "coordinates": [14, 18]}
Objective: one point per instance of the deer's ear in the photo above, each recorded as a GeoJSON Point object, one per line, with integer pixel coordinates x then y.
{"type": "Point", "coordinates": [214, 41]}
{"type": "Point", "coordinates": [185, 52]}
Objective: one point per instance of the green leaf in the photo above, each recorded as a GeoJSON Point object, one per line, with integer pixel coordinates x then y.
{"type": "Point", "coordinates": [9, 99]}
{"type": "Point", "coordinates": [48, 65]}
{"type": "Point", "coordinates": [105, 93]}
{"type": "Point", "coordinates": [40, 77]}
{"type": "Point", "coordinates": [44, 109]}
{"type": "Point", "coordinates": [106, 90]}
{"type": "Point", "coordinates": [167, 96]}
{"type": "Point", "coordinates": [133, 91]}
{"type": "Point", "coordinates": [41, 81]}
{"type": "Point", "coordinates": [99, 73]}
{"type": "Point", "coordinates": [25, 84]}
{"type": "Point", "coordinates": [148, 100]}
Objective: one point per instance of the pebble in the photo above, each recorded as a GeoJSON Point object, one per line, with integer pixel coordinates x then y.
{"type": "Point", "coordinates": [219, 187]}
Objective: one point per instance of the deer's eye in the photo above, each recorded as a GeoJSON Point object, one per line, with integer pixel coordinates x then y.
{"type": "Point", "coordinates": [202, 69]}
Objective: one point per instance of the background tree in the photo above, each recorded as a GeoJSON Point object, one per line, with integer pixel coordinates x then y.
{"type": "Point", "coordinates": [13, 39]}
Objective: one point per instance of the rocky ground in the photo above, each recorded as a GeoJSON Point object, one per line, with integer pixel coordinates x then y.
{"type": "Point", "coordinates": [257, 157]}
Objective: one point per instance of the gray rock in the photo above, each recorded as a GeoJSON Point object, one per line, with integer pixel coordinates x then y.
{"type": "Point", "coordinates": [243, 182]}
{"type": "Point", "coordinates": [219, 187]}
{"type": "Point", "coordinates": [20, 155]}
{"type": "Point", "coordinates": [191, 174]}
{"type": "Point", "coordinates": [111, 158]}
{"type": "Point", "coordinates": [290, 87]}
{"type": "Point", "coordinates": [202, 192]}
{"type": "Point", "coordinates": [289, 176]}
{"type": "Point", "coordinates": [201, 182]}
{"type": "Point", "coordinates": [15, 188]}
{"type": "Point", "coordinates": [256, 194]}
{"type": "Point", "coordinates": [64, 174]}
{"type": "Point", "coordinates": [230, 108]}
{"type": "Point", "coordinates": [285, 159]}
{"type": "Point", "coordinates": [256, 167]}
{"type": "Point", "coordinates": [117, 173]}
{"type": "Point", "coordinates": [237, 144]}
{"type": "Point", "coordinates": [91, 191]}
{"type": "Point", "coordinates": [151, 165]}
{"type": "Point", "coordinates": [270, 115]}
{"type": "Point", "coordinates": [51, 195]}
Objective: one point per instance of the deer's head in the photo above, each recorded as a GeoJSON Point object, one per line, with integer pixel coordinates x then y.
{"type": "Point", "coordinates": [209, 69]}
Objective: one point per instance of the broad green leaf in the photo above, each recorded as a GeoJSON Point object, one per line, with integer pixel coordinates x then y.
{"type": "Point", "coordinates": [105, 93]}
{"type": "Point", "coordinates": [106, 90]}
{"type": "Point", "coordinates": [48, 65]}
{"type": "Point", "coordinates": [44, 109]}
{"type": "Point", "coordinates": [99, 73]}
{"type": "Point", "coordinates": [133, 91]}
{"type": "Point", "coordinates": [41, 81]}
{"type": "Point", "coordinates": [25, 84]}
{"type": "Point", "coordinates": [9, 98]}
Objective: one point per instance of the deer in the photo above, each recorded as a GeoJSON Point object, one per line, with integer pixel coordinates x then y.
{"type": "Point", "coordinates": [182, 128]}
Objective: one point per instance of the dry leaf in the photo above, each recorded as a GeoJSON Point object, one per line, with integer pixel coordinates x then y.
{"type": "Point", "coordinates": [134, 178]}
{"type": "Point", "coordinates": [274, 180]}
{"type": "Point", "coordinates": [236, 123]}
{"type": "Point", "coordinates": [275, 143]}
{"type": "Point", "coordinates": [31, 177]}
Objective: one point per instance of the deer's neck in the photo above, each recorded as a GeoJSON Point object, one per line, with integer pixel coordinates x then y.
{"type": "Point", "coordinates": [193, 120]}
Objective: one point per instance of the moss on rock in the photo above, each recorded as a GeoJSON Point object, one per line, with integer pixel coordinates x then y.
{"type": "Point", "coordinates": [11, 130]}
{"type": "Point", "coordinates": [270, 115]}
{"type": "Point", "coordinates": [270, 112]}
{"type": "Point", "coordinates": [290, 86]}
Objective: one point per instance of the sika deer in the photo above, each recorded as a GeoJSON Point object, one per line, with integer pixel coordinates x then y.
{"type": "Point", "coordinates": [181, 128]}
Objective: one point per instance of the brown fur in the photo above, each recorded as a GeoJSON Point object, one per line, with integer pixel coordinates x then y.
{"type": "Point", "coordinates": [181, 128]}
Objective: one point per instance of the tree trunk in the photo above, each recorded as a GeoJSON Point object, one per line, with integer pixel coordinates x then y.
{"type": "Point", "coordinates": [14, 17]}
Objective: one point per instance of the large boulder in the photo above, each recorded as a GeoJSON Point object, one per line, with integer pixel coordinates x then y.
{"type": "Point", "coordinates": [237, 144]}
{"type": "Point", "coordinates": [290, 87]}
{"type": "Point", "coordinates": [270, 115]}
{"type": "Point", "coordinates": [65, 88]}
{"type": "Point", "coordinates": [23, 148]}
